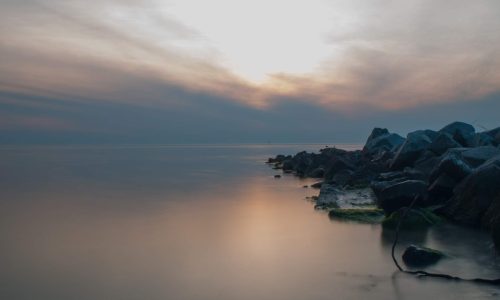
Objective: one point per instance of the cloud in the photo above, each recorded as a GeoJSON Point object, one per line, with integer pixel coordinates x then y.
{"type": "Point", "coordinates": [64, 60]}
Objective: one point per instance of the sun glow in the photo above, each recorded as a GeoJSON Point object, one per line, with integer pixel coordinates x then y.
{"type": "Point", "coordinates": [259, 38]}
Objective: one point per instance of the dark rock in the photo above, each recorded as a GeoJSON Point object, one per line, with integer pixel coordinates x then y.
{"type": "Point", "coordinates": [475, 195]}
{"type": "Point", "coordinates": [342, 177]}
{"type": "Point", "coordinates": [317, 173]}
{"type": "Point", "coordinates": [495, 134]}
{"type": "Point", "coordinates": [317, 185]}
{"type": "Point", "coordinates": [442, 143]}
{"type": "Point", "coordinates": [477, 156]}
{"type": "Point", "coordinates": [277, 176]}
{"type": "Point", "coordinates": [415, 256]}
{"type": "Point", "coordinates": [305, 186]}
{"type": "Point", "coordinates": [441, 189]}
{"type": "Point", "coordinates": [395, 195]}
{"type": "Point", "coordinates": [426, 163]}
{"type": "Point", "coordinates": [416, 143]}
{"type": "Point", "coordinates": [337, 164]}
{"type": "Point", "coordinates": [484, 139]}
{"type": "Point", "coordinates": [461, 132]}
{"type": "Point", "coordinates": [380, 140]}
{"type": "Point", "coordinates": [452, 165]}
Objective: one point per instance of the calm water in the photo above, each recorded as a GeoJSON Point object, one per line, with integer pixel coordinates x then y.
{"type": "Point", "coordinates": [199, 222]}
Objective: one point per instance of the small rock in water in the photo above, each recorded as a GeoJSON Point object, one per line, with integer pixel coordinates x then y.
{"type": "Point", "coordinates": [305, 186]}
{"type": "Point", "coordinates": [277, 176]}
{"type": "Point", "coordinates": [416, 256]}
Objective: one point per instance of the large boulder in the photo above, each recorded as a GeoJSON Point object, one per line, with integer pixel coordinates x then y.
{"type": "Point", "coordinates": [452, 165]}
{"type": "Point", "coordinates": [441, 189]}
{"type": "Point", "coordinates": [477, 156]}
{"type": "Point", "coordinates": [495, 134]}
{"type": "Point", "coordinates": [473, 201]}
{"type": "Point", "coordinates": [442, 143]}
{"type": "Point", "coordinates": [485, 139]}
{"type": "Point", "coordinates": [380, 140]}
{"type": "Point", "coordinates": [416, 143]}
{"type": "Point", "coordinates": [337, 164]}
{"type": "Point", "coordinates": [461, 132]}
{"type": "Point", "coordinates": [391, 196]}
{"type": "Point", "coordinates": [328, 196]}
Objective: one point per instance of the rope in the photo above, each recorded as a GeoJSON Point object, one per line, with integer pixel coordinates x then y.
{"type": "Point", "coordinates": [421, 273]}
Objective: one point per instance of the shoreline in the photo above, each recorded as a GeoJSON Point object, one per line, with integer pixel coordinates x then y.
{"type": "Point", "coordinates": [454, 174]}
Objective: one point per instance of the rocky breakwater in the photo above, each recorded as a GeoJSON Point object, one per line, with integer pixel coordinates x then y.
{"type": "Point", "coordinates": [453, 172]}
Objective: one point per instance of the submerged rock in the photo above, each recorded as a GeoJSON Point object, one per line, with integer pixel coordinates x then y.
{"type": "Point", "coordinates": [363, 215]}
{"type": "Point", "coordinates": [415, 256]}
{"type": "Point", "coordinates": [419, 218]}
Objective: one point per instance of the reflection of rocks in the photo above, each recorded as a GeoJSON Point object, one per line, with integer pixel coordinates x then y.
{"type": "Point", "coordinates": [406, 237]}
{"type": "Point", "coordinates": [454, 168]}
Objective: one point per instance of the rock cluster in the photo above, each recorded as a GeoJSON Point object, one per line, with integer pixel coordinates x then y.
{"type": "Point", "coordinates": [454, 171]}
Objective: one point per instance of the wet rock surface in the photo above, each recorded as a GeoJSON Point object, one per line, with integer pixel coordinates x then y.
{"type": "Point", "coordinates": [455, 168]}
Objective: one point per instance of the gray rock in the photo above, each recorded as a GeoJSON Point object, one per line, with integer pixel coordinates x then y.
{"type": "Point", "coordinates": [484, 139]}
{"type": "Point", "coordinates": [441, 189]}
{"type": "Point", "coordinates": [415, 256]}
{"type": "Point", "coordinates": [452, 165]}
{"type": "Point", "coordinates": [317, 173]}
{"type": "Point", "coordinates": [391, 196]}
{"type": "Point", "coordinates": [461, 132]}
{"type": "Point", "coordinates": [477, 156]}
{"type": "Point", "coordinates": [473, 200]}
{"type": "Point", "coordinates": [328, 196]}
{"type": "Point", "coordinates": [426, 162]}
{"type": "Point", "coordinates": [442, 143]}
{"type": "Point", "coordinates": [416, 143]}
{"type": "Point", "coordinates": [381, 140]}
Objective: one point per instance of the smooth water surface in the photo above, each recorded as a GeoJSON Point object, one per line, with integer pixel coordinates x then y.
{"type": "Point", "coordinates": [200, 222]}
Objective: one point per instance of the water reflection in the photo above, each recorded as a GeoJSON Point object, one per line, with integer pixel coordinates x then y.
{"type": "Point", "coordinates": [195, 223]}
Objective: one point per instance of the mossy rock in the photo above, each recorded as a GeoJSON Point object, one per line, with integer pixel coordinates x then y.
{"type": "Point", "coordinates": [362, 215]}
{"type": "Point", "coordinates": [415, 219]}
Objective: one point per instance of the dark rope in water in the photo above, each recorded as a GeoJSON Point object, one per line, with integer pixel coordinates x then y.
{"type": "Point", "coordinates": [421, 273]}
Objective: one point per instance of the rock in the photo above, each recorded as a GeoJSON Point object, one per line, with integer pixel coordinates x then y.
{"type": "Point", "coordinates": [426, 163]}
{"type": "Point", "coordinates": [461, 132]}
{"type": "Point", "coordinates": [477, 156]}
{"type": "Point", "coordinates": [475, 195]}
{"type": "Point", "coordinates": [417, 218]}
{"type": "Point", "coordinates": [317, 173]}
{"type": "Point", "coordinates": [452, 165]}
{"type": "Point", "coordinates": [442, 143]}
{"type": "Point", "coordinates": [416, 143]}
{"type": "Point", "coordinates": [484, 139]}
{"type": "Point", "coordinates": [328, 196]}
{"type": "Point", "coordinates": [380, 140]}
{"type": "Point", "coordinates": [394, 195]}
{"type": "Point", "coordinates": [277, 176]}
{"type": "Point", "coordinates": [305, 186]}
{"type": "Point", "coordinates": [441, 189]}
{"type": "Point", "coordinates": [495, 134]}
{"type": "Point", "coordinates": [337, 164]}
{"type": "Point", "coordinates": [415, 256]}
{"type": "Point", "coordinates": [342, 177]}
{"type": "Point", "coordinates": [317, 185]}
{"type": "Point", "coordinates": [363, 215]}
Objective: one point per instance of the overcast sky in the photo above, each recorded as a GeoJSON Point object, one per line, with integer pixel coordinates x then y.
{"type": "Point", "coordinates": [230, 71]}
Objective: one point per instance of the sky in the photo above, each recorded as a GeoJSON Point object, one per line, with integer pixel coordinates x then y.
{"type": "Point", "coordinates": [234, 71]}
